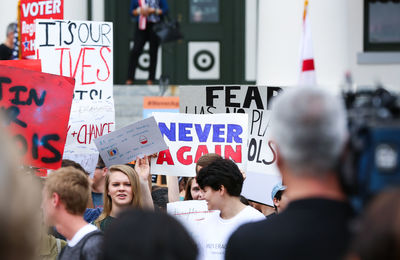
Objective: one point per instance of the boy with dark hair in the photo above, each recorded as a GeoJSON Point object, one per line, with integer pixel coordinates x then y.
{"type": "Point", "coordinates": [222, 183]}
{"type": "Point", "coordinates": [279, 198]}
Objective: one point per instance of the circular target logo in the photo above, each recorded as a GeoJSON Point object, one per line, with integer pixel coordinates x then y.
{"type": "Point", "coordinates": [204, 60]}
{"type": "Point", "coordinates": [144, 61]}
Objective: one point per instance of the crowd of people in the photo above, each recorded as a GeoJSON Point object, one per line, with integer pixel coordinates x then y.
{"type": "Point", "coordinates": [117, 213]}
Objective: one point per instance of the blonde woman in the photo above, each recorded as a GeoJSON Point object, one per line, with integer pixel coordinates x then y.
{"type": "Point", "coordinates": [125, 187]}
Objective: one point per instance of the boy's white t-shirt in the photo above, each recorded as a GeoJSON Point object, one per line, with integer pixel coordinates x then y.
{"type": "Point", "coordinates": [213, 233]}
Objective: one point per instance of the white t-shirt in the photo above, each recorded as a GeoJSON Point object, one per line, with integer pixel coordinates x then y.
{"type": "Point", "coordinates": [214, 232]}
{"type": "Point", "coordinates": [80, 234]}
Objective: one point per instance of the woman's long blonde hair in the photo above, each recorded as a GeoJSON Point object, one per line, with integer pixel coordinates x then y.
{"type": "Point", "coordinates": [136, 191]}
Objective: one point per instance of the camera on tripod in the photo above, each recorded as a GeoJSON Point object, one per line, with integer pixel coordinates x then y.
{"type": "Point", "coordinates": [373, 155]}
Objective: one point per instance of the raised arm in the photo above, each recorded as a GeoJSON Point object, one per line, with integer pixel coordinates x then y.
{"type": "Point", "coordinates": [142, 167]}
{"type": "Point", "coordinates": [173, 188]}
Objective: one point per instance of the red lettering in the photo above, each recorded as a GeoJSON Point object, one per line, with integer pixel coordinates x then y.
{"type": "Point", "coordinates": [165, 156]}
{"type": "Point", "coordinates": [180, 153]}
{"type": "Point", "coordinates": [234, 155]}
{"type": "Point", "coordinates": [85, 66]}
{"type": "Point", "coordinates": [91, 132]}
{"type": "Point", "coordinates": [109, 129]}
{"type": "Point", "coordinates": [202, 149]}
{"type": "Point", "coordinates": [76, 65]}
{"type": "Point", "coordinates": [84, 133]}
{"type": "Point", "coordinates": [105, 62]}
{"type": "Point", "coordinates": [61, 58]}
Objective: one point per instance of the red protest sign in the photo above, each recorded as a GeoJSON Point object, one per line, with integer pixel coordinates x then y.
{"type": "Point", "coordinates": [30, 10]}
{"type": "Point", "coordinates": [35, 65]}
{"type": "Point", "coordinates": [37, 107]}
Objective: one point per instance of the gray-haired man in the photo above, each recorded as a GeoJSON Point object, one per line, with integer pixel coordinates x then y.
{"type": "Point", "coordinates": [309, 129]}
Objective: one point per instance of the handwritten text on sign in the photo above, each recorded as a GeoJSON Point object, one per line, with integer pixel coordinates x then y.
{"type": "Point", "coordinates": [132, 141]}
{"type": "Point", "coordinates": [191, 136]}
{"type": "Point", "coordinates": [78, 49]}
{"type": "Point", "coordinates": [36, 9]}
{"type": "Point", "coordinates": [37, 106]}
{"type": "Point", "coordinates": [90, 120]}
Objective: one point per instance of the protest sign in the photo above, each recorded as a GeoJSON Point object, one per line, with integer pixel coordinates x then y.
{"type": "Point", "coordinates": [86, 156]}
{"type": "Point", "coordinates": [82, 50]}
{"type": "Point", "coordinates": [190, 136]}
{"type": "Point", "coordinates": [128, 143]}
{"type": "Point", "coordinates": [37, 107]}
{"type": "Point", "coordinates": [254, 101]}
{"type": "Point", "coordinates": [190, 210]}
{"type": "Point", "coordinates": [191, 214]}
{"type": "Point", "coordinates": [35, 65]}
{"type": "Point", "coordinates": [79, 49]}
{"type": "Point", "coordinates": [90, 120]}
{"type": "Point", "coordinates": [160, 104]}
{"type": "Point", "coordinates": [29, 11]}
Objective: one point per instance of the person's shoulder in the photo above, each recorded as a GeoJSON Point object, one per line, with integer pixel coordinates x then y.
{"type": "Point", "coordinates": [253, 214]}
{"type": "Point", "coordinates": [248, 236]}
{"type": "Point", "coordinates": [92, 247]}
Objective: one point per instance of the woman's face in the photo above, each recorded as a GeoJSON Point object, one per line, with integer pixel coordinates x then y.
{"type": "Point", "coordinates": [195, 191]}
{"type": "Point", "coordinates": [120, 189]}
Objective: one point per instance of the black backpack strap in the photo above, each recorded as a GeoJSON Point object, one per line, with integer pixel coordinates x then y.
{"type": "Point", "coordinates": [85, 239]}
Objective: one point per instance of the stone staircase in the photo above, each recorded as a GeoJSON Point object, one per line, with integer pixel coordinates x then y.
{"type": "Point", "coordinates": [128, 101]}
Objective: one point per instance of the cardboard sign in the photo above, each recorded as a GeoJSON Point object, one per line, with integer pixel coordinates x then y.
{"type": "Point", "coordinates": [191, 214]}
{"type": "Point", "coordinates": [82, 50]}
{"type": "Point", "coordinates": [37, 106]}
{"type": "Point", "coordinates": [190, 136]}
{"type": "Point", "coordinates": [190, 210]}
{"type": "Point", "coordinates": [35, 65]}
{"type": "Point", "coordinates": [79, 49]}
{"type": "Point", "coordinates": [86, 156]}
{"type": "Point", "coordinates": [29, 11]}
{"type": "Point", "coordinates": [128, 143]}
{"type": "Point", "coordinates": [90, 120]}
{"type": "Point", "coordinates": [254, 101]}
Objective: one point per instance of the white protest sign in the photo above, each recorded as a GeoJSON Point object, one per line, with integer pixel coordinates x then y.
{"type": "Point", "coordinates": [86, 156]}
{"type": "Point", "coordinates": [90, 120]}
{"type": "Point", "coordinates": [191, 214]}
{"type": "Point", "coordinates": [254, 101]}
{"type": "Point", "coordinates": [82, 50]}
{"type": "Point", "coordinates": [135, 140]}
{"type": "Point", "coordinates": [79, 49]}
{"type": "Point", "coordinates": [189, 210]}
{"type": "Point", "coordinates": [190, 136]}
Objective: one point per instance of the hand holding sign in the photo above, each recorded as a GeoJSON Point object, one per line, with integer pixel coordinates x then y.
{"type": "Point", "coordinates": [142, 167]}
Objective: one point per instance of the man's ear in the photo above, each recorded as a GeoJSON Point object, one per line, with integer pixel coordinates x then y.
{"type": "Point", "coordinates": [55, 199]}
{"type": "Point", "coordinates": [222, 190]}
{"type": "Point", "coordinates": [276, 202]}
{"type": "Point", "coordinates": [105, 170]}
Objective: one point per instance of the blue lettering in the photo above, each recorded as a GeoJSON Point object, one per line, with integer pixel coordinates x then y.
{"type": "Point", "coordinates": [169, 133]}
{"type": "Point", "coordinates": [233, 133]}
{"type": "Point", "coordinates": [184, 132]}
{"type": "Point", "coordinates": [217, 132]}
{"type": "Point", "coordinates": [203, 134]}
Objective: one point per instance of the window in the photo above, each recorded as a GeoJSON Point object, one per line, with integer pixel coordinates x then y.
{"type": "Point", "coordinates": [382, 25]}
{"type": "Point", "coordinates": [204, 11]}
